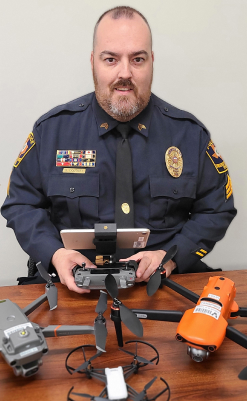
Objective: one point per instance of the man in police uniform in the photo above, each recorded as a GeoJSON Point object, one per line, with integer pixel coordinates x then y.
{"type": "Point", "coordinates": [65, 175]}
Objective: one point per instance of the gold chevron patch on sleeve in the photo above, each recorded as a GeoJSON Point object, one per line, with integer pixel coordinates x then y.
{"type": "Point", "coordinates": [228, 187]}
{"type": "Point", "coordinates": [200, 252]}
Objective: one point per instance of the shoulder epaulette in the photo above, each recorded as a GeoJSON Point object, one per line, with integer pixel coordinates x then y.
{"type": "Point", "coordinates": [79, 104]}
{"type": "Point", "coordinates": [174, 112]}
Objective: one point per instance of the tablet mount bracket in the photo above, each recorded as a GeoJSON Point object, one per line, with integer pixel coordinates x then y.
{"type": "Point", "coordinates": [105, 241]}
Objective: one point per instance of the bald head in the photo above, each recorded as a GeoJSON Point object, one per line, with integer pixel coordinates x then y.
{"type": "Point", "coordinates": [117, 13]}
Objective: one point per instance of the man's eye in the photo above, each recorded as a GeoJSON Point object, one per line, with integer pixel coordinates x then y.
{"type": "Point", "coordinates": [139, 60]}
{"type": "Point", "coordinates": [110, 60]}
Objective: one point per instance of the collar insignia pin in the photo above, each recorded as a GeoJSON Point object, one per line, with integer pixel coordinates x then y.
{"type": "Point", "coordinates": [104, 125]}
{"type": "Point", "coordinates": [141, 126]}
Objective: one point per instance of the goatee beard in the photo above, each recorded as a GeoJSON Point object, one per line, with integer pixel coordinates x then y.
{"type": "Point", "coordinates": [122, 109]}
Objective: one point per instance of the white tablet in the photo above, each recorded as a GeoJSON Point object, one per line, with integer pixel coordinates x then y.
{"type": "Point", "coordinates": [126, 238]}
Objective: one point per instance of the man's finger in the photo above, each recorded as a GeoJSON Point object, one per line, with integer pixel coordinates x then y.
{"type": "Point", "coordinates": [137, 257]}
{"type": "Point", "coordinates": [78, 258]}
{"type": "Point", "coordinates": [70, 282]}
{"type": "Point", "coordinates": [143, 266]}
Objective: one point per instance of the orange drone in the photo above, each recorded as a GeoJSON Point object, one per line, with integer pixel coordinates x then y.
{"type": "Point", "coordinates": [204, 327]}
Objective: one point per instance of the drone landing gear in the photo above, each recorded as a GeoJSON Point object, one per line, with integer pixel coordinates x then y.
{"type": "Point", "coordinates": [115, 317]}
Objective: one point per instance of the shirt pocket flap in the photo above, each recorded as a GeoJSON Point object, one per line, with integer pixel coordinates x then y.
{"type": "Point", "coordinates": [73, 186]}
{"type": "Point", "coordinates": [182, 187]}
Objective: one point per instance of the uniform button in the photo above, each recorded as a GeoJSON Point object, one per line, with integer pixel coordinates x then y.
{"type": "Point", "coordinates": [175, 191]}
{"type": "Point", "coordinates": [72, 190]}
{"type": "Point", "coordinates": [81, 105]}
{"type": "Point", "coordinates": [166, 109]}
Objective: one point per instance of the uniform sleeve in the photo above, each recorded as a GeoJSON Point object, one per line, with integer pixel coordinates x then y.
{"type": "Point", "coordinates": [26, 207]}
{"type": "Point", "coordinates": [211, 213]}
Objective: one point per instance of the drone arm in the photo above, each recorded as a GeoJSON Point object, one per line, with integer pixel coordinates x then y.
{"type": "Point", "coordinates": [115, 317]}
{"type": "Point", "coordinates": [192, 296]}
{"type": "Point", "coordinates": [128, 370]}
{"type": "Point", "coordinates": [160, 315]}
{"type": "Point", "coordinates": [100, 376]}
{"type": "Point", "coordinates": [35, 304]}
{"type": "Point", "coordinates": [236, 336]}
{"type": "Point", "coordinates": [132, 393]}
{"type": "Point", "coordinates": [66, 330]}
{"type": "Point", "coordinates": [242, 312]}
{"type": "Point", "coordinates": [103, 392]}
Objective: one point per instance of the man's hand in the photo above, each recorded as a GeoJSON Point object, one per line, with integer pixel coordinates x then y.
{"type": "Point", "coordinates": [149, 261]}
{"type": "Point", "coordinates": [64, 261]}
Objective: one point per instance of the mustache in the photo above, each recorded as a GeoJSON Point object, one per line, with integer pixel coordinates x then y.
{"type": "Point", "coordinates": [123, 82]}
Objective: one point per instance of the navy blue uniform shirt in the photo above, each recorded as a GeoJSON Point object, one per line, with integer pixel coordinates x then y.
{"type": "Point", "coordinates": [192, 211]}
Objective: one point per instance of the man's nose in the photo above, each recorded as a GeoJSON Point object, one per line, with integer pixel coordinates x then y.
{"type": "Point", "coordinates": [125, 70]}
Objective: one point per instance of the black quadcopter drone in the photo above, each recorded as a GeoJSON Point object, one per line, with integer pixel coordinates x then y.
{"type": "Point", "coordinates": [22, 343]}
{"type": "Point", "coordinates": [120, 313]}
{"type": "Point", "coordinates": [114, 379]}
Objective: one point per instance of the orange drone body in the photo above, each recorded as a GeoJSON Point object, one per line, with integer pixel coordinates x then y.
{"type": "Point", "coordinates": [204, 326]}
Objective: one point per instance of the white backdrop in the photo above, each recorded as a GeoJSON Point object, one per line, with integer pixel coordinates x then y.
{"type": "Point", "coordinates": [200, 66]}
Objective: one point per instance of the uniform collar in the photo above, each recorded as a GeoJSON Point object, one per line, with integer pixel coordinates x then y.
{"type": "Point", "coordinates": [106, 123]}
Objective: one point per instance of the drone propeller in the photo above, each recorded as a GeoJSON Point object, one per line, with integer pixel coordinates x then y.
{"type": "Point", "coordinates": [137, 357]}
{"type": "Point", "coordinates": [102, 303]}
{"type": "Point", "coordinates": [243, 374]}
{"type": "Point", "coordinates": [155, 279]}
{"type": "Point", "coordinates": [92, 397]}
{"type": "Point", "coordinates": [127, 316]}
{"type": "Point", "coordinates": [142, 395]}
{"type": "Point", "coordinates": [86, 363]}
{"type": "Point", "coordinates": [99, 323]}
{"type": "Point", "coordinates": [51, 289]}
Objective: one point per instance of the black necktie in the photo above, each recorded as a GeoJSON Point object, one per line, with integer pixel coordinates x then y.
{"type": "Point", "coordinates": [124, 205]}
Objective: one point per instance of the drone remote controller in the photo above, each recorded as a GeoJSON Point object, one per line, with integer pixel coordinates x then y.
{"type": "Point", "coordinates": [94, 278]}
